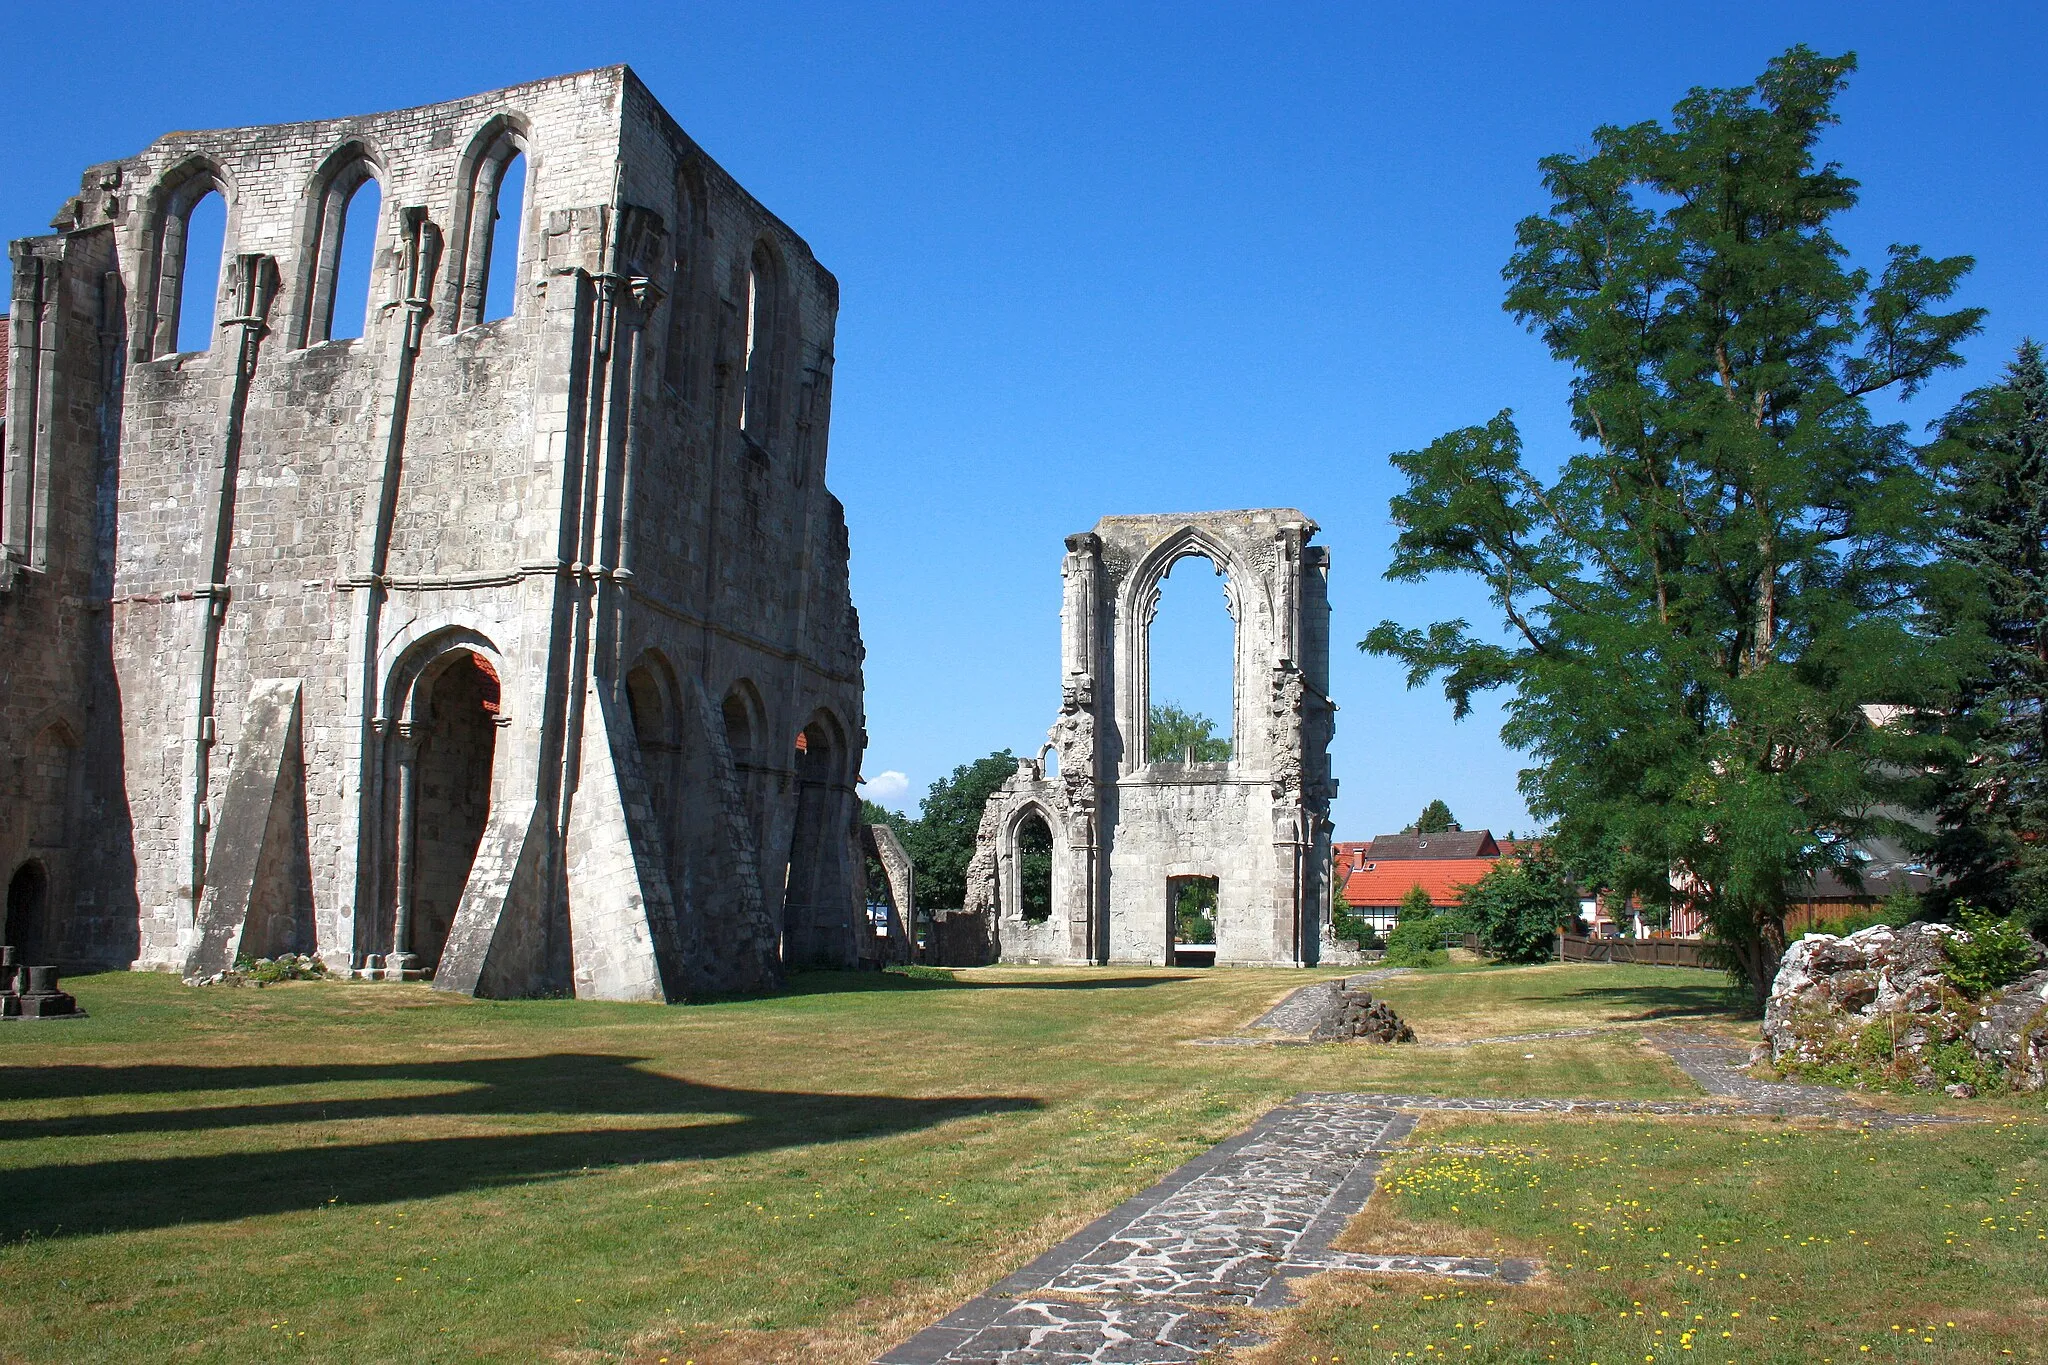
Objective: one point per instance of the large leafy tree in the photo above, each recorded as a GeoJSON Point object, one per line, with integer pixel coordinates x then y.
{"type": "Point", "coordinates": [1177, 732]}
{"type": "Point", "coordinates": [1517, 907]}
{"type": "Point", "coordinates": [941, 840]}
{"type": "Point", "coordinates": [1700, 603]}
{"type": "Point", "coordinates": [1992, 837]}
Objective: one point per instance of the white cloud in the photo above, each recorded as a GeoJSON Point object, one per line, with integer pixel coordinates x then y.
{"type": "Point", "coordinates": [888, 786]}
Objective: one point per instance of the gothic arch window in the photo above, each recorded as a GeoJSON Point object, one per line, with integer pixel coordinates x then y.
{"type": "Point", "coordinates": [439, 758]}
{"type": "Point", "coordinates": [681, 361]}
{"type": "Point", "coordinates": [186, 229]}
{"type": "Point", "coordinates": [492, 210]}
{"type": "Point", "coordinates": [48, 778]}
{"type": "Point", "coordinates": [742, 713]}
{"type": "Point", "coordinates": [650, 703]}
{"type": "Point", "coordinates": [819, 765]}
{"type": "Point", "coordinates": [764, 325]}
{"type": "Point", "coordinates": [347, 213]}
{"type": "Point", "coordinates": [1031, 865]}
{"type": "Point", "coordinates": [1187, 668]}
{"type": "Point", "coordinates": [746, 726]}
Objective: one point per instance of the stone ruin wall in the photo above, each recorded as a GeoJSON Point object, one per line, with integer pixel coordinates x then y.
{"type": "Point", "coordinates": [563, 497]}
{"type": "Point", "coordinates": [1124, 821]}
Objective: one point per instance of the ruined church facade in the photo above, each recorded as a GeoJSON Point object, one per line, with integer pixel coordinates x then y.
{"type": "Point", "coordinates": [1128, 827]}
{"type": "Point", "coordinates": [514, 649]}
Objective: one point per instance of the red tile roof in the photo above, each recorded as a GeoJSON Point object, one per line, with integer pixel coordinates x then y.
{"type": "Point", "coordinates": [1381, 883]}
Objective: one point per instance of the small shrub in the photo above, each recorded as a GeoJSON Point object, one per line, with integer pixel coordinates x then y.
{"type": "Point", "coordinates": [1997, 953]}
{"type": "Point", "coordinates": [1953, 1062]}
{"type": "Point", "coordinates": [1416, 943]}
{"type": "Point", "coordinates": [265, 971]}
{"type": "Point", "coordinates": [1898, 909]}
{"type": "Point", "coordinates": [1355, 928]}
{"type": "Point", "coordinates": [1516, 907]}
{"type": "Point", "coordinates": [1415, 905]}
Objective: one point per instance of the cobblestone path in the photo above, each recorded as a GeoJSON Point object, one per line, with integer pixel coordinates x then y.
{"type": "Point", "coordinates": [1143, 1285]}
{"type": "Point", "coordinates": [1146, 1283]}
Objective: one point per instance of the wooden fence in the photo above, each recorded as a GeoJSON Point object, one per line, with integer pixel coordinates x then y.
{"type": "Point", "coordinates": [1660, 952]}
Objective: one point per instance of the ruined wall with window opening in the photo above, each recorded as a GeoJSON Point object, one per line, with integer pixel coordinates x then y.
{"type": "Point", "coordinates": [430, 640]}
{"type": "Point", "coordinates": [1130, 826]}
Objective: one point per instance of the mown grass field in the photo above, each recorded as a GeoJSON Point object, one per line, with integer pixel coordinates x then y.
{"type": "Point", "coordinates": [1699, 1241]}
{"type": "Point", "coordinates": [337, 1171]}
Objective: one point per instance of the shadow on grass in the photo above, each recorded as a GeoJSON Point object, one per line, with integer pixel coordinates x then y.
{"type": "Point", "coordinates": [135, 1193]}
{"type": "Point", "coordinates": [940, 979]}
{"type": "Point", "coordinates": [1712, 997]}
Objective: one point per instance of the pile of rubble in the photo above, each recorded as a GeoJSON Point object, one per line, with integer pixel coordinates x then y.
{"type": "Point", "coordinates": [1355, 1014]}
{"type": "Point", "coordinates": [1879, 1003]}
{"type": "Point", "coordinates": [266, 971]}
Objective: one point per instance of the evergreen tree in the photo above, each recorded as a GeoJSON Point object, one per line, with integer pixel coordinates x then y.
{"type": "Point", "coordinates": [1992, 838]}
{"type": "Point", "coordinates": [1436, 818]}
{"type": "Point", "coordinates": [1700, 604]}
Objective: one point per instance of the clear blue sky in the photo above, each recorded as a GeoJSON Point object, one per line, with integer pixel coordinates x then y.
{"type": "Point", "coordinates": [1106, 259]}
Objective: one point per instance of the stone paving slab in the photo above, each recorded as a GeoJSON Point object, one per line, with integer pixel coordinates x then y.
{"type": "Point", "coordinates": [1042, 1331]}
{"type": "Point", "coordinates": [1147, 1283]}
{"type": "Point", "coordinates": [1214, 1233]}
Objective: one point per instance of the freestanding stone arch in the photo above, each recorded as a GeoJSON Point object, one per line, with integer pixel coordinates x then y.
{"type": "Point", "coordinates": [1127, 822]}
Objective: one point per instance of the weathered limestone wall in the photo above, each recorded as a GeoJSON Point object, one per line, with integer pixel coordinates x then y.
{"type": "Point", "coordinates": [610, 502]}
{"type": "Point", "coordinates": [1125, 821]}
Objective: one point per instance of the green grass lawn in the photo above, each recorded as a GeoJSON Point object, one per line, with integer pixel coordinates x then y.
{"type": "Point", "coordinates": [377, 1172]}
{"type": "Point", "coordinates": [1697, 1241]}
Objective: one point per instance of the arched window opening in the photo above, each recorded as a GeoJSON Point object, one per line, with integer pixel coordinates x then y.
{"type": "Point", "coordinates": [344, 254]}
{"type": "Point", "coordinates": [28, 897]}
{"type": "Point", "coordinates": [807, 878]}
{"type": "Point", "coordinates": [49, 775]}
{"type": "Point", "coordinates": [1034, 868]}
{"type": "Point", "coordinates": [764, 289]}
{"type": "Point", "coordinates": [443, 800]}
{"type": "Point", "coordinates": [506, 231]}
{"type": "Point", "coordinates": [1192, 668]}
{"type": "Point", "coordinates": [191, 242]}
{"type": "Point", "coordinates": [206, 230]}
{"type": "Point", "coordinates": [739, 726]}
{"type": "Point", "coordinates": [679, 364]}
{"type": "Point", "coordinates": [1192, 905]}
{"type": "Point", "coordinates": [742, 714]}
{"type": "Point", "coordinates": [654, 730]}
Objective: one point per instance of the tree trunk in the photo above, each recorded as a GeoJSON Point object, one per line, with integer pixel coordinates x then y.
{"type": "Point", "coordinates": [1760, 957]}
